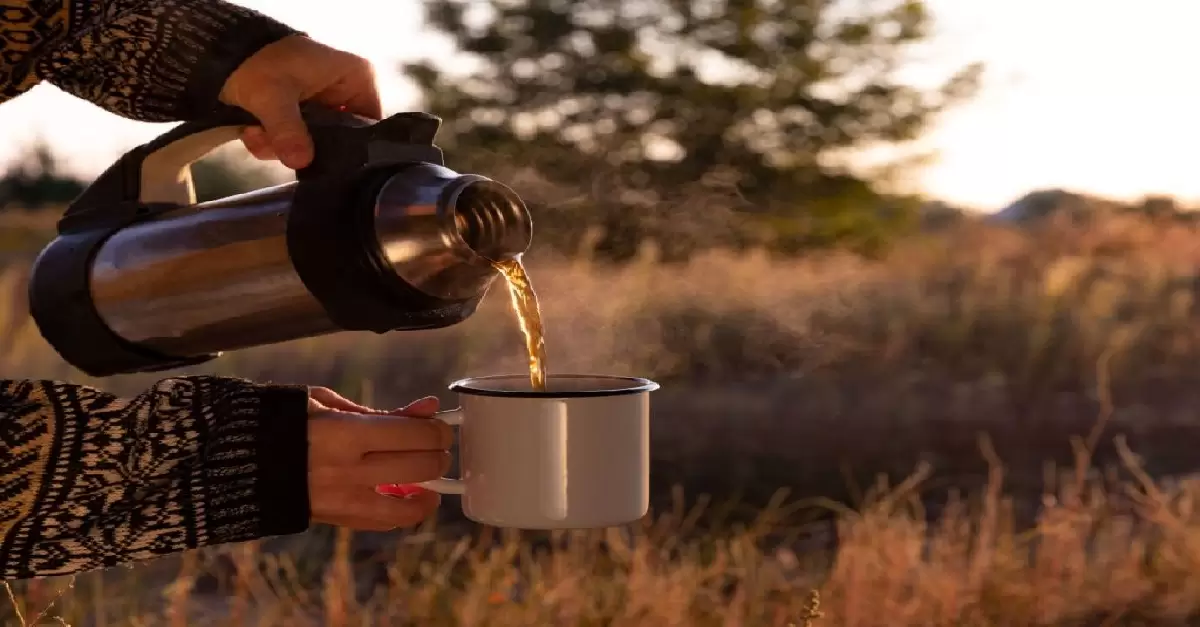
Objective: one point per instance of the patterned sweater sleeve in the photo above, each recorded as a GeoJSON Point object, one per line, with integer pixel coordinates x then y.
{"type": "Point", "coordinates": [90, 480]}
{"type": "Point", "coordinates": [153, 60]}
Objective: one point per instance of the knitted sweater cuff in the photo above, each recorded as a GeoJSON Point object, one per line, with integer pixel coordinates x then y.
{"type": "Point", "coordinates": [283, 459]}
{"type": "Point", "coordinates": [265, 492]}
{"type": "Point", "coordinates": [234, 35]}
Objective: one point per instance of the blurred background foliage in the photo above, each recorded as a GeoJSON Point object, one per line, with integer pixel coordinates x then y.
{"type": "Point", "coordinates": [682, 124]}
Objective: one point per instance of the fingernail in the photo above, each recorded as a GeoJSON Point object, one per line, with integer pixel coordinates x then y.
{"type": "Point", "coordinates": [400, 490]}
{"type": "Point", "coordinates": [416, 402]}
{"type": "Point", "coordinates": [292, 151]}
{"type": "Point", "coordinates": [296, 160]}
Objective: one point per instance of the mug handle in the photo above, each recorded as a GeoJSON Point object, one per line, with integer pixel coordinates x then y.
{"type": "Point", "coordinates": [446, 485]}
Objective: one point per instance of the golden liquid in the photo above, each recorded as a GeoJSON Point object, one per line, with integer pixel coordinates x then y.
{"type": "Point", "coordinates": [529, 316]}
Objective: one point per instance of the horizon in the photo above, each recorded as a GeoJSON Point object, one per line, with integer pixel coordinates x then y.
{"type": "Point", "coordinates": [1098, 110]}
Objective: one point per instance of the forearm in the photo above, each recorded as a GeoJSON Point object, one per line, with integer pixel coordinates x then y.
{"type": "Point", "coordinates": [154, 60]}
{"type": "Point", "coordinates": [89, 480]}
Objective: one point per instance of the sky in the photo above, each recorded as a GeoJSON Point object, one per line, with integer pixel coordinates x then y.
{"type": "Point", "coordinates": [1086, 95]}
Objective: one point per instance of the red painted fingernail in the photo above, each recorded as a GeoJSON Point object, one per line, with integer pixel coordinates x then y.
{"type": "Point", "coordinates": [402, 490]}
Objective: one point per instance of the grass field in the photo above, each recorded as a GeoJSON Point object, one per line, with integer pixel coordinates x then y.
{"type": "Point", "coordinates": [988, 427]}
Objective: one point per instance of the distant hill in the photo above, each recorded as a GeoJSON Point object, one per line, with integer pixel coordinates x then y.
{"type": "Point", "coordinates": [1044, 204]}
{"type": "Point", "coordinates": [1047, 203]}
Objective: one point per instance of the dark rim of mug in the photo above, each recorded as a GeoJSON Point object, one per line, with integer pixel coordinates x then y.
{"type": "Point", "coordinates": [632, 385]}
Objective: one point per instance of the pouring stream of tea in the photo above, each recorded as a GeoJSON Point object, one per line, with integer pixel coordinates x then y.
{"type": "Point", "coordinates": [529, 316]}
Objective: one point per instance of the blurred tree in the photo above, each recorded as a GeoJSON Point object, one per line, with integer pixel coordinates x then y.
{"type": "Point", "coordinates": [224, 172]}
{"type": "Point", "coordinates": [667, 92]}
{"type": "Point", "coordinates": [1159, 206]}
{"type": "Point", "coordinates": [35, 180]}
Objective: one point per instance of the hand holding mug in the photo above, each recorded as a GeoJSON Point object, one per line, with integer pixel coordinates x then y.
{"type": "Point", "coordinates": [353, 449]}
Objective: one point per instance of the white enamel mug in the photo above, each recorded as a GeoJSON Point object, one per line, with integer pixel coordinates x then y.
{"type": "Point", "coordinates": [573, 457]}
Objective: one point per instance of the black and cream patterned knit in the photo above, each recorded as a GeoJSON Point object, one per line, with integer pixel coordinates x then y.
{"type": "Point", "coordinates": [153, 60]}
{"type": "Point", "coordinates": [89, 480]}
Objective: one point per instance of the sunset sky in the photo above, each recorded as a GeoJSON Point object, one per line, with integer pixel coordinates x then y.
{"type": "Point", "coordinates": [1089, 95]}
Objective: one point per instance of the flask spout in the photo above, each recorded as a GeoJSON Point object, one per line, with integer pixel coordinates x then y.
{"type": "Point", "coordinates": [490, 219]}
{"type": "Point", "coordinates": [443, 232]}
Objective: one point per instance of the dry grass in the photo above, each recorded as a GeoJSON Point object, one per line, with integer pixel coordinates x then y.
{"type": "Point", "coordinates": [958, 351]}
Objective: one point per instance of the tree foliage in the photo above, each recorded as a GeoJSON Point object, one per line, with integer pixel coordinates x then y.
{"type": "Point", "coordinates": [665, 93]}
{"type": "Point", "coordinates": [35, 180]}
{"type": "Point", "coordinates": [226, 172]}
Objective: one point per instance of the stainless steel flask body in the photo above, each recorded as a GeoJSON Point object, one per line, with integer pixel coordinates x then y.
{"type": "Point", "coordinates": [218, 276]}
{"type": "Point", "coordinates": [207, 279]}
{"type": "Point", "coordinates": [377, 235]}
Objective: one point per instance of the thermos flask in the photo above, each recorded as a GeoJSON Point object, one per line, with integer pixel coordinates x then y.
{"type": "Point", "coordinates": [377, 234]}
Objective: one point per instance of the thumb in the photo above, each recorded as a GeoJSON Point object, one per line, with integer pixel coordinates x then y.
{"type": "Point", "coordinates": [420, 408]}
{"type": "Point", "coordinates": [279, 114]}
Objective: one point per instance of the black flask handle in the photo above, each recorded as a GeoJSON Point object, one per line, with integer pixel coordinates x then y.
{"type": "Point", "coordinates": [156, 176]}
